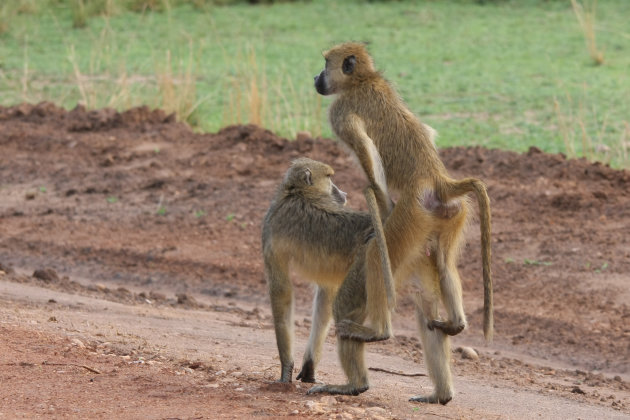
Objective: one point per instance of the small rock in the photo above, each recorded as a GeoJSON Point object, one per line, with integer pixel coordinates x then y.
{"type": "Point", "coordinates": [469, 353]}
{"type": "Point", "coordinates": [78, 343]}
{"type": "Point", "coordinates": [211, 386]}
{"type": "Point", "coordinates": [314, 407]}
{"type": "Point", "coordinates": [157, 296]}
{"type": "Point", "coordinates": [295, 412]}
{"type": "Point", "coordinates": [356, 411]}
{"type": "Point", "coordinates": [577, 390]}
{"type": "Point", "coordinates": [47, 275]}
{"type": "Point", "coordinates": [236, 374]}
{"type": "Point", "coordinates": [303, 135]}
{"type": "Point", "coordinates": [100, 287]}
{"type": "Point", "coordinates": [184, 299]}
{"type": "Point", "coordinates": [376, 411]}
{"type": "Point", "coordinates": [328, 400]}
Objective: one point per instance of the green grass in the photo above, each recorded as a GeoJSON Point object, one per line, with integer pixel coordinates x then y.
{"type": "Point", "coordinates": [506, 74]}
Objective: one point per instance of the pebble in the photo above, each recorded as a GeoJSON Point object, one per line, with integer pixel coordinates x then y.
{"type": "Point", "coordinates": [376, 411]}
{"type": "Point", "coordinates": [78, 343]}
{"type": "Point", "coordinates": [469, 353]}
{"type": "Point", "coordinates": [314, 406]}
{"type": "Point", "coordinates": [303, 135]}
{"type": "Point", "coordinates": [356, 411]}
{"type": "Point", "coordinates": [328, 400]}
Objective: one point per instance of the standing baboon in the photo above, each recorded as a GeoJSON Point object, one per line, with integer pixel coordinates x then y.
{"type": "Point", "coordinates": [308, 227]}
{"type": "Point", "coordinates": [397, 151]}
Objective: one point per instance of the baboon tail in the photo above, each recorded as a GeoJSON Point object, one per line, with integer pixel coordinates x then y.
{"type": "Point", "coordinates": [457, 189]}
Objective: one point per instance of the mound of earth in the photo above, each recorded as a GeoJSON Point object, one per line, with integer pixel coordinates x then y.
{"type": "Point", "coordinates": [111, 219]}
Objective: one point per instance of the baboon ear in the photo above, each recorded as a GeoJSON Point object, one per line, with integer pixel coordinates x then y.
{"type": "Point", "coordinates": [306, 177]}
{"type": "Point", "coordinates": [348, 64]}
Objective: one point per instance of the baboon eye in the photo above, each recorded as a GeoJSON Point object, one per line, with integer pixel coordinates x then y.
{"type": "Point", "coordinates": [348, 64]}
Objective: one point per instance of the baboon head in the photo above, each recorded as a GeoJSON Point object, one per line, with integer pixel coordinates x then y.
{"type": "Point", "coordinates": [313, 180]}
{"type": "Point", "coordinates": [347, 64]}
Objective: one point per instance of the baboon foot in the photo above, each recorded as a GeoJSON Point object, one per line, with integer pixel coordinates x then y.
{"type": "Point", "coordinates": [447, 327]}
{"type": "Point", "coordinates": [307, 374]}
{"type": "Point", "coordinates": [431, 399]}
{"type": "Point", "coordinates": [353, 331]}
{"type": "Point", "coordinates": [286, 373]}
{"type": "Point", "coordinates": [338, 389]}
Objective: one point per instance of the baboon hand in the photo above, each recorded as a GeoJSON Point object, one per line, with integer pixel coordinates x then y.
{"type": "Point", "coordinates": [353, 331]}
{"type": "Point", "coordinates": [447, 327]}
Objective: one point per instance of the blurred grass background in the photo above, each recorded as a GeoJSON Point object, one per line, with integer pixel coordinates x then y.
{"type": "Point", "coordinates": [554, 74]}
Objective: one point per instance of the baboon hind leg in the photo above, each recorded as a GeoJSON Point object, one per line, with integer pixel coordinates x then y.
{"type": "Point", "coordinates": [435, 344]}
{"type": "Point", "coordinates": [352, 357]}
{"type": "Point", "coordinates": [322, 313]}
{"type": "Point", "coordinates": [450, 282]}
{"type": "Point", "coordinates": [403, 230]}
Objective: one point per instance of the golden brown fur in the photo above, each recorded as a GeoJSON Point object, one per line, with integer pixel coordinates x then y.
{"type": "Point", "coordinates": [397, 152]}
{"type": "Point", "coordinates": [308, 227]}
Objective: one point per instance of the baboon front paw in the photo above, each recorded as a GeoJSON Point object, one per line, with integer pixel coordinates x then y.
{"type": "Point", "coordinates": [431, 399]}
{"type": "Point", "coordinates": [353, 331]}
{"type": "Point", "coordinates": [447, 327]}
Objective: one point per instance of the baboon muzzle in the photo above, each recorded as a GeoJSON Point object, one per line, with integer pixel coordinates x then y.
{"type": "Point", "coordinates": [320, 83]}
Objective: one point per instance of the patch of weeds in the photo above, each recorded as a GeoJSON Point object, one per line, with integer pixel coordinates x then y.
{"type": "Point", "coordinates": [603, 267]}
{"type": "Point", "coordinates": [229, 217]}
{"type": "Point", "coordinates": [43, 189]}
{"type": "Point", "coordinates": [509, 260]}
{"type": "Point", "coordinates": [161, 211]}
{"type": "Point", "coordinates": [527, 261]}
{"type": "Point", "coordinates": [199, 214]}
{"type": "Point", "coordinates": [156, 150]}
{"type": "Point", "coordinates": [112, 199]}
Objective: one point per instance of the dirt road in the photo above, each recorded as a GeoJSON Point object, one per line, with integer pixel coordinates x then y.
{"type": "Point", "coordinates": [131, 279]}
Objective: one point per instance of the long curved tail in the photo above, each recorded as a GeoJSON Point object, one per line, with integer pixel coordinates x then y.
{"type": "Point", "coordinates": [456, 189]}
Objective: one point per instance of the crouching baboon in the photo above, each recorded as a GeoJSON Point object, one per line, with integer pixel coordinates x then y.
{"type": "Point", "coordinates": [398, 152]}
{"type": "Point", "coordinates": [308, 227]}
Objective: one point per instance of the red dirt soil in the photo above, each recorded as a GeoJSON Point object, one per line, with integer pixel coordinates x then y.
{"type": "Point", "coordinates": [131, 281]}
